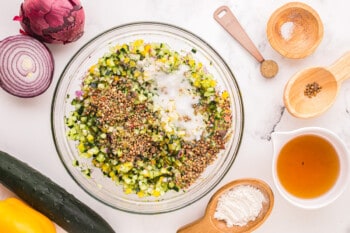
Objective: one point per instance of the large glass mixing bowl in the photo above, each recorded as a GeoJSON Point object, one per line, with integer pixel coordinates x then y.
{"type": "Point", "coordinates": [103, 188]}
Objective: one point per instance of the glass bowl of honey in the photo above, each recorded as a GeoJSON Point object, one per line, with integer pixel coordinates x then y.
{"type": "Point", "coordinates": [310, 166]}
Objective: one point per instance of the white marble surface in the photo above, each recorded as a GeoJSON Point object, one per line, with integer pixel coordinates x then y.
{"type": "Point", "coordinates": [25, 123]}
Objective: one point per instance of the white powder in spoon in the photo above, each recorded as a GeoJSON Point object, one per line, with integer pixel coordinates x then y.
{"type": "Point", "coordinates": [239, 205]}
{"type": "Point", "coordinates": [287, 30]}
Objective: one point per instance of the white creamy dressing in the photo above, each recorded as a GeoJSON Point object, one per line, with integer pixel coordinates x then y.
{"type": "Point", "coordinates": [175, 102]}
{"type": "Point", "coordinates": [239, 205]}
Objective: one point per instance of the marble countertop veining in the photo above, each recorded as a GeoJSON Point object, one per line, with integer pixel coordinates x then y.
{"type": "Point", "coordinates": [25, 123]}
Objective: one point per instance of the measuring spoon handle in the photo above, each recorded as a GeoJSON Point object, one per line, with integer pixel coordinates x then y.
{"type": "Point", "coordinates": [229, 22]}
{"type": "Point", "coordinates": [341, 68]}
{"type": "Point", "coordinates": [202, 225]}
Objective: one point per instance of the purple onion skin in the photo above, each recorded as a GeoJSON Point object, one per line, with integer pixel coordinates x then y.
{"type": "Point", "coordinates": [53, 21]}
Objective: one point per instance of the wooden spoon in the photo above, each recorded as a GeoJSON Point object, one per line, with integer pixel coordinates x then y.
{"type": "Point", "coordinates": [327, 79]}
{"type": "Point", "coordinates": [229, 22]}
{"type": "Point", "coordinates": [208, 224]}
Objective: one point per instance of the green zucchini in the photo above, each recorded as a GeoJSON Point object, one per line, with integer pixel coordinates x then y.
{"type": "Point", "coordinates": [49, 198]}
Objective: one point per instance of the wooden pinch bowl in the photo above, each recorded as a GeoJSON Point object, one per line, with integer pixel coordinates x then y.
{"type": "Point", "coordinates": [208, 224]}
{"type": "Point", "coordinates": [328, 78]}
{"type": "Point", "coordinates": [295, 30]}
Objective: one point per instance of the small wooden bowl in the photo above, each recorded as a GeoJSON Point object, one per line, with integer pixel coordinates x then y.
{"type": "Point", "coordinates": [295, 30]}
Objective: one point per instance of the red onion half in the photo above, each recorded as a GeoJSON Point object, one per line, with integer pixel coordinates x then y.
{"type": "Point", "coordinates": [26, 66]}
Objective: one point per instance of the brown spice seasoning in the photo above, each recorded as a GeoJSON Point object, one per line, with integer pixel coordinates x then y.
{"type": "Point", "coordinates": [312, 89]}
{"type": "Point", "coordinates": [269, 68]}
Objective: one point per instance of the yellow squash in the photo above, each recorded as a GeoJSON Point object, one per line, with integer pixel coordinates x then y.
{"type": "Point", "coordinates": [18, 217]}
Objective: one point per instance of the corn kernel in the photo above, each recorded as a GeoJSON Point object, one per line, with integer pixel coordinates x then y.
{"type": "Point", "coordinates": [105, 167]}
{"type": "Point", "coordinates": [126, 60]}
{"type": "Point", "coordinates": [92, 69]}
{"type": "Point", "coordinates": [128, 190]}
{"type": "Point", "coordinates": [155, 193]}
{"type": "Point", "coordinates": [81, 147]}
{"type": "Point", "coordinates": [195, 75]}
{"type": "Point", "coordinates": [112, 174]}
{"type": "Point", "coordinates": [125, 46]}
{"type": "Point", "coordinates": [138, 43]}
{"type": "Point", "coordinates": [147, 49]}
{"type": "Point", "coordinates": [200, 65]}
{"type": "Point", "coordinates": [141, 194]}
{"type": "Point", "coordinates": [212, 83]}
{"type": "Point", "coordinates": [132, 63]}
{"type": "Point", "coordinates": [191, 63]}
{"type": "Point", "coordinates": [197, 83]}
{"type": "Point", "coordinates": [137, 74]}
{"type": "Point", "coordinates": [90, 138]}
{"type": "Point", "coordinates": [224, 95]}
{"type": "Point", "coordinates": [163, 60]}
{"type": "Point", "coordinates": [110, 63]}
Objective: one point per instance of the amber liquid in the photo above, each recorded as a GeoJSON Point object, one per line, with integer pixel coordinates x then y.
{"type": "Point", "coordinates": [308, 166]}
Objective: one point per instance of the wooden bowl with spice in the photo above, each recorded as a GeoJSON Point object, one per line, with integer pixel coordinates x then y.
{"type": "Point", "coordinates": [295, 30]}
{"type": "Point", "coordinates": [312, 91]}
{"type": "Point", "coordinates": [227, 209]}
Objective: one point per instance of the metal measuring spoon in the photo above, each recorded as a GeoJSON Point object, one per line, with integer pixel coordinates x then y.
{"type": "Point", "coordinates": [229, 22]}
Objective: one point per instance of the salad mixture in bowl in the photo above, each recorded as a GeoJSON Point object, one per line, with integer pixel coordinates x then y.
{"type": "Point", "coordinates": [147, 118]}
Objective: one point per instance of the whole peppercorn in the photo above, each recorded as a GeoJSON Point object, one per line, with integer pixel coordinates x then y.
{"type": "Point", "coordinates": [312, 89]}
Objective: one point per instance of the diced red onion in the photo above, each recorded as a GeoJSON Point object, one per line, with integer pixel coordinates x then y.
{"type": "Point", "coordinates": [26, 66]}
